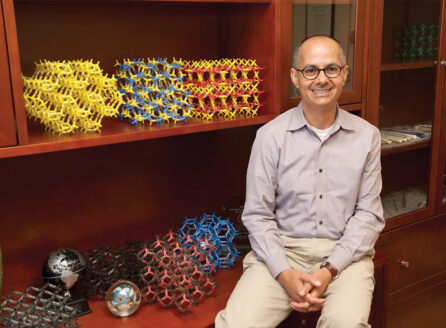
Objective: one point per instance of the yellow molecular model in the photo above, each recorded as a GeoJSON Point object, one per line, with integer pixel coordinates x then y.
{"type": "Point", "coordinates": [67, 96]}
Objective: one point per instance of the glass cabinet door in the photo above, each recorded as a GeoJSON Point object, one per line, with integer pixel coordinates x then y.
{"type": "Point", "coordinates": [340, 19]}
{"type": "Point", "coordinates": [407, 102]}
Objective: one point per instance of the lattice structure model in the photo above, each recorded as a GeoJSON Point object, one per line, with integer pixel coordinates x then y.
{"type": "Point", "coordinates": [37, 307]}
{"type": "Point", "coordinates": [216, 232]}
{"type": "Point", "coordinates": [173, 272]}
{"type": "Point", "coordinates": [70, 95]}
{"type": "Point", "coordinates": [417, 41]}
{"type": "Point", "coordinates": [153, 91]}
{"type": "Point", "coordinates": [228, 87]}
{"type": "Point", "coordinates": [108, 264]}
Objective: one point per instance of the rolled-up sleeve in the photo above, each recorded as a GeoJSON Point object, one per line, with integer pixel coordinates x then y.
{"type": "Point", "coordinates": [258, 215]}
{"type": "Point", "coordinates": [363, 227]}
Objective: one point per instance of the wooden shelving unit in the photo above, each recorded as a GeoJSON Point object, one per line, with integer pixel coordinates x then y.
{"type": "Point", "coordinates": [398, 66]}
{"type": "Point", "coordinates": [407, 146]}
{"type": "Point", "coordinates": [66, 191]}
{"type": "Point", "coordinates": [139, 183]}
{"type": "Point", "coordinates": [111, 30]}
{"type": "Point", "coordinates": [408, 93]}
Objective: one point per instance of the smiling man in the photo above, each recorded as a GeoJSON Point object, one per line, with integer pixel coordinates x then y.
{"type": "Point", "coordinates": [312, 209]}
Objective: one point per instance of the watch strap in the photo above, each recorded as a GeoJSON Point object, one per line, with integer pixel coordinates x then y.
{"type": "Point", "coordinates": [330, 267]}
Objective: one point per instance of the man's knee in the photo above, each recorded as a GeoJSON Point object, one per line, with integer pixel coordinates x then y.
{"type": "Point", "coordinates": [343, 320]}
{"type": "Point", "coordinates": [257, 301]}
{"type": "Point", "coordinates": [228, 318]}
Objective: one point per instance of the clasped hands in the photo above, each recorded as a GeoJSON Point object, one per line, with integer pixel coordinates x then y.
{"type": "Point", "coordinates": [305, 290]}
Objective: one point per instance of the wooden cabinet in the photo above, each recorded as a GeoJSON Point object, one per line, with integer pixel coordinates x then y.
{"type": "Point", "coordinates": [426, 311]}
{"type": "Point", "coordinates": [92, 197]}
{"type": "Point", "coordinates": [139, 183]}
{"type": "Point", "coordinates": [413, 252]}
{"type": "Point", "coordinates": [405, 96]}
{"type": "Point", "coordinates": [107, 31]}
{"type": "Point", "coordinates": [67, 192]}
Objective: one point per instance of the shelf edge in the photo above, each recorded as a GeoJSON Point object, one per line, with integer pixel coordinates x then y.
{"type": "Point", "coordinates": [47, 147]}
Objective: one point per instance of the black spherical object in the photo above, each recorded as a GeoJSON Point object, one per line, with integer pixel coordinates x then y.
{"type": "Point", "coordinates": [64, 268]}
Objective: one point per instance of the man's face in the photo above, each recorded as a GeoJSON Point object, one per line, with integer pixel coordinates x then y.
{"type": "Point", "coordinates": [322, 92]}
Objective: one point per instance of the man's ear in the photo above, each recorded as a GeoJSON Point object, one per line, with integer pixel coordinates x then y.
{"type": "Point", "coordinates": [345, 71]}
{"type": "Point", "coordinates": [294, 79]}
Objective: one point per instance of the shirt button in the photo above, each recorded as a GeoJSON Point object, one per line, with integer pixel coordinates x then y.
{"type": "Point", "coordinates": [320, 222]}
{"type": "Point", "coordinates": [320, 196]}
{"type": "Point", "coordinates": [320, 170]}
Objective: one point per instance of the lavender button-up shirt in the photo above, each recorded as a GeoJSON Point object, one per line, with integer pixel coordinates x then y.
{"type": "Point", "coordinates": [301, 187]}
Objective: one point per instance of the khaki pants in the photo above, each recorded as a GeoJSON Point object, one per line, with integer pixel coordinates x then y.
{"type": "Point", "coordinates": [259, 301]}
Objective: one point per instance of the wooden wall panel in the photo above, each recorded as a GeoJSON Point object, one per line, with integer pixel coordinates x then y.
{"type": "Point", "coordinates": [114, 31]}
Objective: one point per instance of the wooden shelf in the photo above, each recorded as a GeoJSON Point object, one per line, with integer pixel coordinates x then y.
{"type": "Point", "coordinates": [326, 2]}
{"type": "Point", "coordinates": [136, 1]}
{"type": "Point", "coordinates": [399, 66]}
{"type": "Point", "coordinates": [399, 148]}
{"type": "Point", "coordinates": [116, 131]}
{"type": "Point", "coordinates": [153, 315]}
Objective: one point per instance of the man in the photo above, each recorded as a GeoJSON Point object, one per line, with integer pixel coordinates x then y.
{"type": "Point", "coordinates": [312, 208]}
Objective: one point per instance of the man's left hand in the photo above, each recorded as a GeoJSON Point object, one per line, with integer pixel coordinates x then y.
{"type": "Point", "coordinates": [313, 295]}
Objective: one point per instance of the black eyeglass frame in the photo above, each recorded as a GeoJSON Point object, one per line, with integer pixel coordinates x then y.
{"type": "Point", "coordinates": [319, 71]}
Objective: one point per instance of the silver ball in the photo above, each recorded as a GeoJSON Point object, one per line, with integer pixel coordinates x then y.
{"type": "Point", "coordinates": [64, 268]}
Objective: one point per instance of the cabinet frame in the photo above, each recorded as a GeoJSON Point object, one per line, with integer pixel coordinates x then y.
{"type": "Point", "coordinates": [440, 205]}
{"type": "Point", "coordinates": [373, 100]}
{"type": "Point", "coordinates": [7, 120]}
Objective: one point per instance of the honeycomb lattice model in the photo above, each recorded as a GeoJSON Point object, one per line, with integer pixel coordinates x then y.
{"type": "Point", "coordinates": [70, 95]}
{"type": "Point", "coordinates": [153, 91]}
{"type": "Point", "coordinates": [216, 232]}
{"type": "Point", "coordinates": [108, 264]}
{"type": "Point", "coordinates": [173, 272]}
{"type": "Point", "coordinates": [227, 87]}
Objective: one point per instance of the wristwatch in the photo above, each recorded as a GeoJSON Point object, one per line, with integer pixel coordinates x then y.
{"type": "Point", "coordinates": [334, 272]}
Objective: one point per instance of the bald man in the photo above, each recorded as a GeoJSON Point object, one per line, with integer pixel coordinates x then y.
{"type": "Point", "coordinates": [313, 208]}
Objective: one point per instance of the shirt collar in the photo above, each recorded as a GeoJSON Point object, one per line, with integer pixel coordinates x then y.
{"type": "Point", "coordinates": [298, 119]}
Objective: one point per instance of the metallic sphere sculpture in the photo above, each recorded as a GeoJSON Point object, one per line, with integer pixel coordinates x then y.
{"type": "Point", "coordinates": [123, 298]}
{"type": "Point", "coordinates": [64, 268]}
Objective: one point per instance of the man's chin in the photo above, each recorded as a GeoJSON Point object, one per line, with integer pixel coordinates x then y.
{"type": "Point", "coordinates": [323, 102]}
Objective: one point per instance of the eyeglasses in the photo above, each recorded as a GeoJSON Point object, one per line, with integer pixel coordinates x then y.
{"type": "Point", "coordinates": [312, 72]}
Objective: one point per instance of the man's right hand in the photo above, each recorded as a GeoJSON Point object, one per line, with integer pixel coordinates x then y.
{"type": "Point", "coordinates": [313, 295]}
{"type": "Point", "coordinates": [293, 281]}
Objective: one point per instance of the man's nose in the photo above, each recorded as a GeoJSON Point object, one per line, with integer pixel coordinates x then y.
{"type": "Point", "coordinates": [322, 78]}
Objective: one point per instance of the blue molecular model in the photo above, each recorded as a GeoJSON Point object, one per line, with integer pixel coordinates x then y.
{"type": "Point", "coordinates": [215, 235]}
{"type": "Point", "coordinates": [153, 91]}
